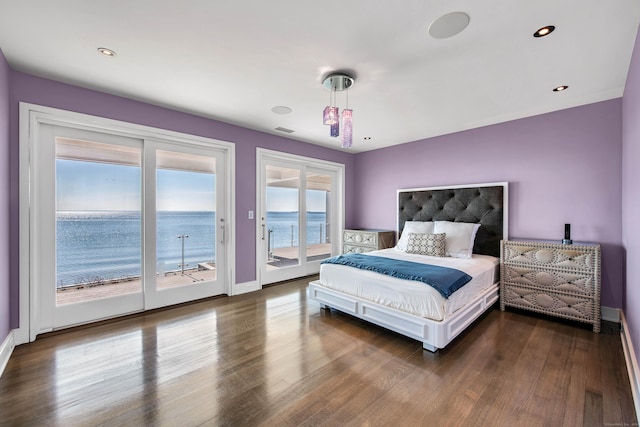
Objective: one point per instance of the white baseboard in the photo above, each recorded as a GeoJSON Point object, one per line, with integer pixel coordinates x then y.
{"type": "Point", "coordinates": [5, 351]}
{"type": "Point", "coordinates": [246, 287]}
{"type": "Point", "coordinates": [610, 314]}
{"type": "Point", "coordinates": [21, 336]}
{"type": "Point", "coordinates": [632, 363]}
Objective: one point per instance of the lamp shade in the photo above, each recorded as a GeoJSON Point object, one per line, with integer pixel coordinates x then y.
{"type": "Point", "coordinates": [347, 128]}
{"type": "Point", "coordinates": [330, 115]}
{"type": "Point", "coordinates": [335, 129]}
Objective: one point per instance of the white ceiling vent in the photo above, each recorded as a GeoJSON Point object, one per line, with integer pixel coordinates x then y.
{"type": "Point", "coordinates": [285, 130]}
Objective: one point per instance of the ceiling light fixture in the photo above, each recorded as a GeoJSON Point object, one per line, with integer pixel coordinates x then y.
{"type": "Point", "coordinates": [337, 82]}
{"type": "Point", "coordinates": [285, 130]}
{"type": "Point", "coordinates": [106, 52]}
{"type": "Point", "coordinates": [560, 88]}
{"type": "Point", "coordinates": [544, 31]}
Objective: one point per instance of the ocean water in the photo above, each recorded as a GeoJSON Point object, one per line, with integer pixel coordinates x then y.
{"type": "Point", "coordinates": [284, 230]}
{"type": "Point", "coordinates": [99, 245]}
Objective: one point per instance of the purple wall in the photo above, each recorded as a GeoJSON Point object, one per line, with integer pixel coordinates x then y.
{"type": "Point", "coordinates": [4, 198]}
{"type": "Point", "coordinates": [27, 88]}
{"type": "Point", "coordinates": [631, 195]}
{"type": "Point", "coordinates": [562, 167]}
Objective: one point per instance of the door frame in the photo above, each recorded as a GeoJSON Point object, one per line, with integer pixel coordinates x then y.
{"type": "Point", "coordinates": [337, 168]}
{"type": "Point", "coordinates": [31, 116]}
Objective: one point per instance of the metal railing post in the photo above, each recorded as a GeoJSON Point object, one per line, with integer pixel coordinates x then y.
{"type": "Point", "coordinates": [183, 237]}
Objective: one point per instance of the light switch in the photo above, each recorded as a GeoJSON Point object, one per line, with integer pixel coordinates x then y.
{"type": "Point", "coordinates": [250, 214]}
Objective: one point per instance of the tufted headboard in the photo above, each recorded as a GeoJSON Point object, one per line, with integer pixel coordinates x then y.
{"type": "Point", "coordinates": [486, 204]}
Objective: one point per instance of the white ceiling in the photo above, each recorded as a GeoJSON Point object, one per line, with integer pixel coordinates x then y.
{"type": "Point", "coordinates": [234, 60]}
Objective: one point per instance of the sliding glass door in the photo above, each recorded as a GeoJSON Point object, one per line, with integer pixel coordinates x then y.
{"type": "Point", "coordinates": [123, 225]}
{"type": "Point", "coordinates": [299, 216]}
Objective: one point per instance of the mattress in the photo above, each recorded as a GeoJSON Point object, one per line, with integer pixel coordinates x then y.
{"type": "Point", "coordinates": [410, 296]}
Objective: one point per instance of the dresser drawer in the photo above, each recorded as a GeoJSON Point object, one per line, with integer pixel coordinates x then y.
{"type": "Point", "coordinates": [573, 282]}
{"type": "Point", "coordinates": [572, 257]}
{"type": "Point", "coordinates": [361, 241]}
{"type": "Point", "coordinates": [567, 306]}
{"type": "Point", "coordinates": [352, 249]}
{"type": "Point", "coordinates": [357, 237]}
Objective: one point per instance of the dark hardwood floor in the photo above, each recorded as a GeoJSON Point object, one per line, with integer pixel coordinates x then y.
{"type": "Point", "coordinates": [273, 358]}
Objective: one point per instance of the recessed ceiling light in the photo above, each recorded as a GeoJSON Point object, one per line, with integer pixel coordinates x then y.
{"type": "Point", "coordinates": [106, 52]}
{"type": "Point", "coordinates": [560, 88]}
{"type": "Point", "coordinates": [544, 31]}
{"type": "Point", "coordinates": [449, 25]}
{"type": "Point", "coordinates": [281, 109]}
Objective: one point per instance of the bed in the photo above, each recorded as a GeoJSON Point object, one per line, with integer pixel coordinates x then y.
{"type": "Point", "coordinates": [400, 302]}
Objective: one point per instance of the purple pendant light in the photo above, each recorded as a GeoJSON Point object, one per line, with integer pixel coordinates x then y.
{"type": "Point", "coordinates": [347, 128]}
{"type": "Point", "coordinates": [335, 130]}
{"type": "Point", "coordinates": [338, 82]}
{"type": "Point", "coordinates": [330, 115]}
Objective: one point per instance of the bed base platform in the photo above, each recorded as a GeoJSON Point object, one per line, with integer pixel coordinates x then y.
{"type": "Point", "coordinates": [433, 334]}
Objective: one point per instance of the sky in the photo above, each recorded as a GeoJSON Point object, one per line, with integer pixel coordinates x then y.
{"type": "Point", "coordinates": [281, 199]}
{"type": "Point", "coordinates": [87, 186]}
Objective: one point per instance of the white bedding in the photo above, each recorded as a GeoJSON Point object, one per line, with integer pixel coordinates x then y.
{"type": "Point", "coordinates": [410, 296]}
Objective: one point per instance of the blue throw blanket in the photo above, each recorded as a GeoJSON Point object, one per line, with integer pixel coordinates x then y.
{"type": "Point", "coordinates": [443, 279]}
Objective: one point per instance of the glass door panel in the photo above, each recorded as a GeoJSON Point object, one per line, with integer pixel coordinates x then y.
{"type": "Point", "coordinates": [98, 220]}
{"type": "Point", "coordinates": [185, 223]}
{"type": "Point", "coordinates": [185, 218]}
{"type": "Point", "coordinates": [318, 215]}
{"type": "Point", "coordinates": [282, 217]}
{"type": "Point", "coordinates": [87, 262]}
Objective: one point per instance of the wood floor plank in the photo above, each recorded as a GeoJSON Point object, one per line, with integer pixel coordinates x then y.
{"type": "Point", "coordinates": [273, 358]}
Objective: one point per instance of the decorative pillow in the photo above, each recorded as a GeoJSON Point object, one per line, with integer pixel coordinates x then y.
{"type": "Point", "coordinates": [460, 237]}
{"type": "Point", "coordinates": [413, 227]}
{"type": "Point", "coordinates": [426, 244]}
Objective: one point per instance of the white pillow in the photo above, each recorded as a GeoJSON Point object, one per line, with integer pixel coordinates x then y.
{"type": "Point", "coordinates": [422, 227]}
{"type": "Point", "coordinates": [459, 239]}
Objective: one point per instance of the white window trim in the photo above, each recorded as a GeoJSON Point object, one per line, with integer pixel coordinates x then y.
{"type": "Point", "coordinates": [31, 117]}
